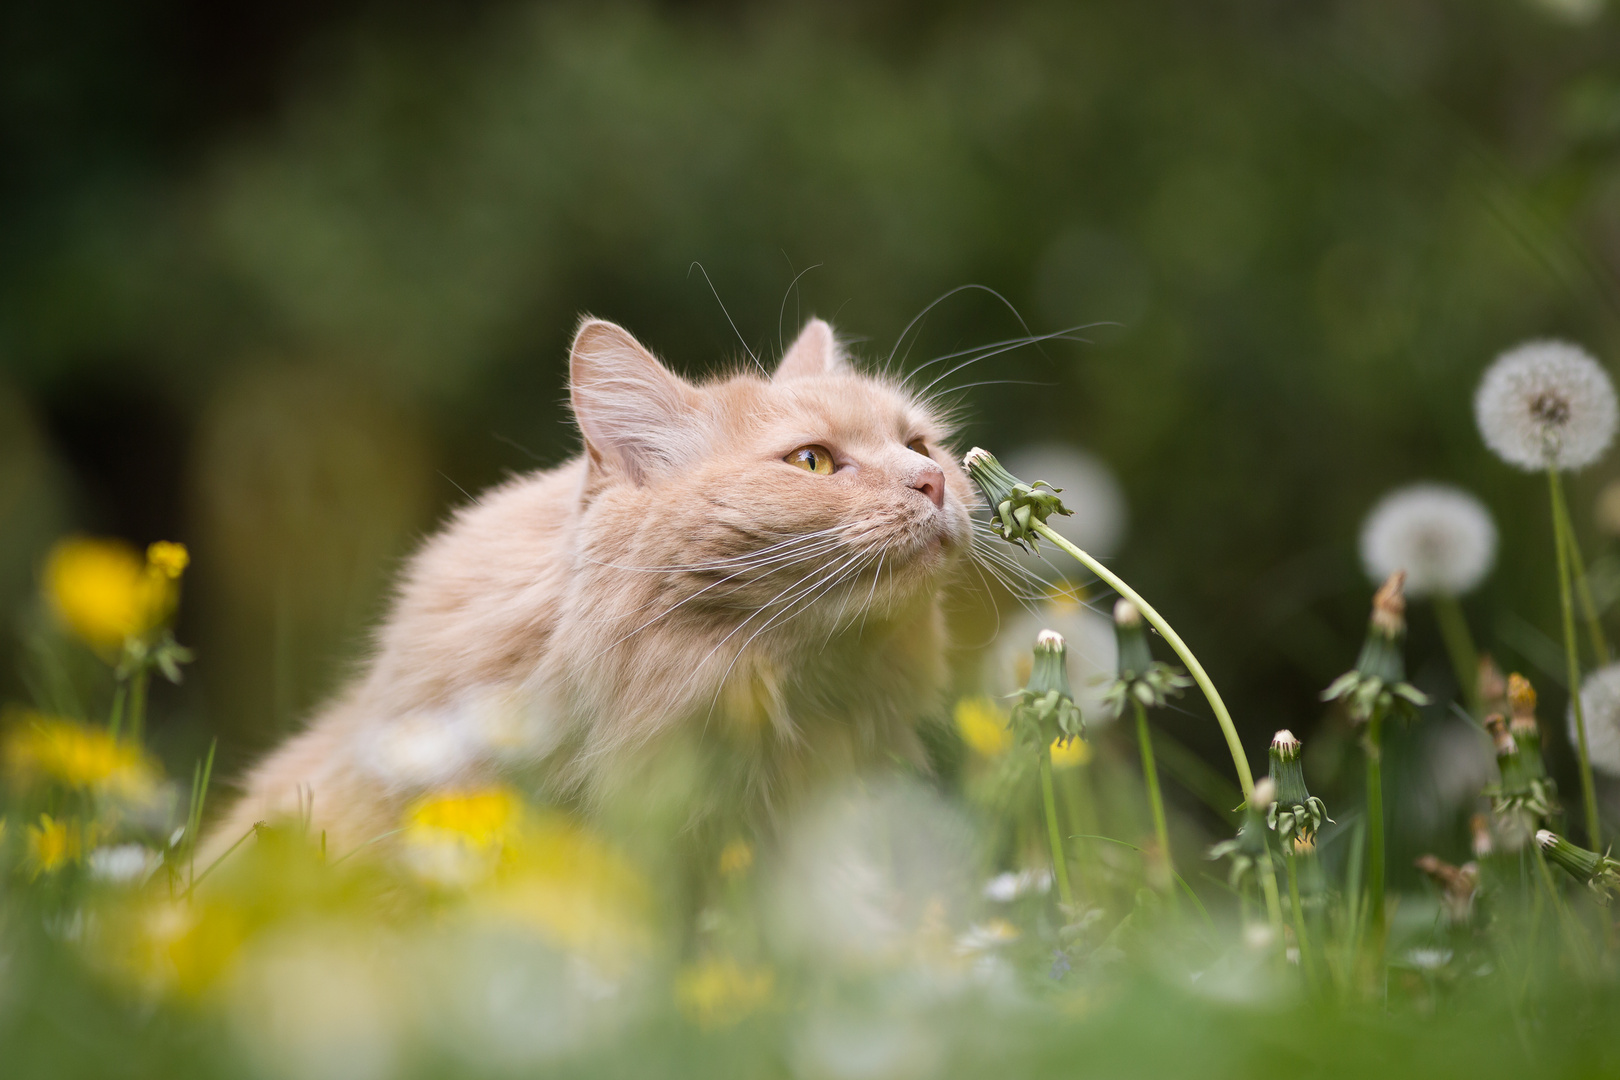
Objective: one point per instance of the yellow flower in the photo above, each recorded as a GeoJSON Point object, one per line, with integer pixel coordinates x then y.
{"type": "Point", "coordinates": [735, 859]}
{"type": "Point", "coordinates": [718, 993]}
{"type": "Point", "coordinates": [103, 591]}
{"type": "Point", "coordinates": [168, 558]}
{"type": "Point", "coordinates": [52, 844]}
{"type": "Point", "coordinates": [482, 819]}
{"type": "Point", "coordinates": [1069, 754]}
{"type": "Point", "coordinates": [983, 726]}
{"type": "Point", "coordinates": [42, 748]}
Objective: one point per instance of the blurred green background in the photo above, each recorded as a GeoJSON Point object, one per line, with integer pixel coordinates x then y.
{"type": "Point", "coordinates": [285, 281]}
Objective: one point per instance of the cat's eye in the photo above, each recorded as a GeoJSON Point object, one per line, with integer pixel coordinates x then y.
{"type": "Point", "coordinates": [816, 459]}
{"type": "Point", "coordinates": [918, 446]}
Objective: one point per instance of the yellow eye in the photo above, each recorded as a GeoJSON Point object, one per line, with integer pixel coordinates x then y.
{"type": "Point", "coordinates": [816, 459]}
{"type": "Point", "coordinates": [918, 446]}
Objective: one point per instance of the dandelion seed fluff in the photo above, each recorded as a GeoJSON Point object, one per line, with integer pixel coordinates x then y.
{"type": "Point", "coordinates": [1546, 404]}
{"type": "Point", "coordinates": [1600, 705]}
{"type": "Point", "coordinates": [1440, 535]}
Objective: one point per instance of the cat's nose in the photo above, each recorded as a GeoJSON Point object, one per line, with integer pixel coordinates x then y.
{"type": "Point", "coordinates": [931, 482]}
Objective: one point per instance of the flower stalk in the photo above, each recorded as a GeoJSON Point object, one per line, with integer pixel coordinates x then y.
{"type": "Point", "coordinates": [1019, 514]}
{"type": "Point", "coordinates": [1571, 657]}
{"type": "Point", "coordinates": [1046, 713]}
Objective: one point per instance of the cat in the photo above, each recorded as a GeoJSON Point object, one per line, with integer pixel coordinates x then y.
{"type": "Point", "coordinates": [754, 563]}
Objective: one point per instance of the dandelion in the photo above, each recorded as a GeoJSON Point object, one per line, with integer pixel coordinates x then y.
{"type": "Point", "coordinates": [983, 726]}
{"type": "Point", "coordinates": [1428, 959]}
{"type": "Point", "coordinates": [1069, 753]}
{"type": "Point", "coordinates": [1442, 536]}
{"type": "Point", "coordinates": [1046, 715]}
{"type": "Point", "coordinates": [1458, 886]}
{"type": "Point", "coordinates": [719, 993]}
{"type": "Point", "coordinates": [1599, 872]}
{"type": "Point", "coordinates": [100, 590]}
{"type": "Point", "coordinates": [1549, 406]}
{"type": "Point", "coordinates": [1600, 703]}
{"type": "Point", "coordinates": [122, 864]}
{"type": "Point", "coordinates": [1296, 813]}
{"type": "Point", "coordinates": [1546, 405]}
{"type": "Point", "coordinates": [1481, 843]}
{"type": "Point", "coordinates": [53, 844]}
{"type": "Point", "coordinates": [1099, 519]}
{"type": "Point", "coordinates": [46, 749]}
{"type": "Point", "coordinates": [1006, 887]}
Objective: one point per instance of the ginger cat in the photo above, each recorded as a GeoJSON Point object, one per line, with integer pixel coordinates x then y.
{"type": "Point", "coordinates": [753, 563]}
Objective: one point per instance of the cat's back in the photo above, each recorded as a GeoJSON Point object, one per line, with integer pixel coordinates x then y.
{"type": "Point", "coordinates": [482, 595]}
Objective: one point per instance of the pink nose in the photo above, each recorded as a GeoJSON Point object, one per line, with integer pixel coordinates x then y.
{"type": "Point", "coordinates": [931, 482]}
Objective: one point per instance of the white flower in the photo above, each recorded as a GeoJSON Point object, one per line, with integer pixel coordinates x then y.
{"type": "Point", "coordinates": [1007, 887]}
{"type": "Point", "coordinates": [1440, 535]}
{"type": "Point", "coordinates": [1428, 959]}
{"type": "Point", "coordinates": [123, 864]}
{"type": "Point", "coordinates": [1546, 404]}
{"type": "Point", "coordinates": [986, 936]}
{"type": "Point", "coordinates": [1600, 706]}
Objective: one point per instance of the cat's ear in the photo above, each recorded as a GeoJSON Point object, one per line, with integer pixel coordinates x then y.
{"type": "Point", "coordinates": [814, 352]}
{"type": "Point", "coordinates": [635, 415]}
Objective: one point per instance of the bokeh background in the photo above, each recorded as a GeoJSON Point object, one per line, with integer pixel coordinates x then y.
{"type": "Point", "coordinates": [288, 281]}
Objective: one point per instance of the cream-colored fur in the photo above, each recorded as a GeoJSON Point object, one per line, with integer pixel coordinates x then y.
{"type": "Point", "coordinates": [679, 577]}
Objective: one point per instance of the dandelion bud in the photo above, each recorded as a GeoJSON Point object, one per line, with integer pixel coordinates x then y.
{"type": "Point", "coordinates": [1521, 696]}
{"type": "Point", "coordinates": [1378, 681]}
{"type": "Point", "coordinates": [1598, 871]}
{"type": "Point", "coordinates": [1457, 884]}
{"type": "Point", "coordinates": [1295, 812]}
{"type": "Point", "coordinates": [1141, 678]}
{"type": "Point", "coordinates": [1265, 792]}
{"type": "Point", "coordinates": [1015, 507]}
{"type": "Point", "coordinates": [1131, 634]}
{"type": "Point", "coordinates": [1526, 732]}
{"type": "Point", "coordinates": [1046, 710]}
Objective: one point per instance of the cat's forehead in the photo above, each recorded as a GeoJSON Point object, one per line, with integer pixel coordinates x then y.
{"type": "Point", "coordinates": [847, 408]}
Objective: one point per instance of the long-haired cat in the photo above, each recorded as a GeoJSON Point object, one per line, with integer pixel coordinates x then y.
{"type": "Point", "coordinates": [752, 562]}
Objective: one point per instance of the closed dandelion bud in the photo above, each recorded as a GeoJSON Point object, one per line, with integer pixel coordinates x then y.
{"type": "Point", "coordinates": [1483, 845]}
{"type": "Point", "coordinates": [1526, 732]}
{"type": "Point", "coordinates": [1458, 886]}
{"type": "Point", "coordinates": [1046, 710]}
{"type": "Point", "coordinates": [1141, 678]}
{"type": "Point", "coordinates": [1378, 681]}
{"type": "Point", "coordinates": [1249, 844]}
{"type": "Point", "coordinates": [1015, 507]}
{"type": "Point", "coordinates": [1599, 872]}
{"type": "Point", "coordinates": [1517, 791]}
{"type": "Point", "coordinates": [1295, 811]}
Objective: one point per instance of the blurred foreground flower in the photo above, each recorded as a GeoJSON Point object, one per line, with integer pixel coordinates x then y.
{"type": "Point", "coordinates": [106, 594]}
{"type": "Point", "coordinates": [1442, 536]}
{"type": "Point", "coordinates": [1546, 405]}
{"type": "Point", "coordinates": [40, 749]}
{"type": "Point", "coordinates": [53, 844]}
{"type": "Point", "coordinates": [718, 992]}
{"type": "Point", "coordinates": [1600, 701]}
{"type": "Point", "coordinates": [983, 726]}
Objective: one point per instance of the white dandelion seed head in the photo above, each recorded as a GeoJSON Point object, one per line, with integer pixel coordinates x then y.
{"type": "Point", "coordinates": [123, 864]}
{"type": "Point", "coordinates": [1546, 404]}
{"type": "Point", "coordinates": [1600, 707]}
{"type": "Point", "coordinates": [1442, 536]}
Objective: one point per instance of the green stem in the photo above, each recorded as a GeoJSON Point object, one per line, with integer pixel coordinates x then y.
{"type": "Point", "coordinates": [1572, 659]}
{"type": "Point", "coordinates": [1228, 729]}
{"type": "Point", "coordinates": [137, 704]}
{"type": "Point", "coordinates": [1460, 647]}
{"type": "Point", "coordinates": [1150, 777]}
{"type": "Point", "coordinates": [1060, 866]}
{"type": "Point", "coordinates": [1306, 960]}
{"type": "Point", "coordinates": [1375, 828]}
{"type": "Point", "coordinates": [115, 721]}
{"type": "Point", "coordinates": [1583, 591]}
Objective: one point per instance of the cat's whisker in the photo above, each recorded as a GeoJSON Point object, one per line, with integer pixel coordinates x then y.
{"type": "Point", "coordinates": [1007, 344]}
{"type": "Point", "coordinates": [985, 355]}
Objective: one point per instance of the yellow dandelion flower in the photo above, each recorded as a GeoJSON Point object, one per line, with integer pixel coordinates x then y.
{"type": "Point", "coordinates": [571, 887]}
{"type": "Point", "coordinates": [168, 558]}
{"type": "Point", "coordinates": [105, 593]}
{"type": "Point", "coordinates": [983, 726]}
{"type": "Point", "coordinates": [46, 749]}
{"type": "Point", "coordinates": [1066, 755]}
{"type": "Point", "coordinates": [717, 993]}
{"type": "Point", "coordinates": [483, 819]}
{"type": "Point", "coordinates": [736, 858]}
{"type": "Point", "coordinates": [52, 844]}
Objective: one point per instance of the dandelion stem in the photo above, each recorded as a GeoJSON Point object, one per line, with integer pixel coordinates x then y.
{"type": "Point", "coordinates": [137, 704]}
{"type": "Point", "coordinates": [1373, 745]}
{"type": "Point", "coordinates": [1459, 647]}
{"type": "Point", "coordinates": [1572, 659]}
{"type": "Point", "coordinates": [1150, 777]}
{"type": "Point", "coordinates": [1222, 717]}
{"type": "Point", "coordinates": [115, 720]}
{"type": "Point", "coordinates": [1306, 960]}
{"type": "Point", "coordinates": [1060, 867]}
{"type": "Point", "coordinates": [1583, 592]}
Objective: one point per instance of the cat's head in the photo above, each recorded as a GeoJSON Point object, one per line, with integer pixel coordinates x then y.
{"type": "Point", "coordinates": [817, 477]}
